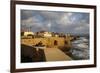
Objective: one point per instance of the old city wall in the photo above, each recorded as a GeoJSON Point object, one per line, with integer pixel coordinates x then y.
{"type": "Point", "coordinates": [49, 42]}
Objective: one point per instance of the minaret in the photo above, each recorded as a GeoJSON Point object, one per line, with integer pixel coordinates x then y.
{"type": "Point", "coordinates": [49, 26]}
{"type": "Point", "coordinates": [29, 28]}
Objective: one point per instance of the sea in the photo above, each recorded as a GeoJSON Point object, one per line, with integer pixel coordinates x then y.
{"type": "Point", "coordinates": [80, 48]}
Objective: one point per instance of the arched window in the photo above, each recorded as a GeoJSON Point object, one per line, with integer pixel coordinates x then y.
{"type": "Point", "coordinates": [66, 42]}
{"type": "Point", "coordinates": [55, 42]}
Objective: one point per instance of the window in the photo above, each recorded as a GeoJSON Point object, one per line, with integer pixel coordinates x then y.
{"type": "Point", "coordinates": [55, 42]}
{"type": "Point", "coordinates": [65, 42]}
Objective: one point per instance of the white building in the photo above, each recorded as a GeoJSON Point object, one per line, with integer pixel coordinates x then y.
{"type": "Point", "coordinates": [47, 34]}
{"type": "Point", "coordinates": [28, 33]}
{"type": "Point", "coordinates": [56, 35]}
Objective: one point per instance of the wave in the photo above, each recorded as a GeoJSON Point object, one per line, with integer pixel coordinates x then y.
{"type": "Point", "coordinates": [80, 48]}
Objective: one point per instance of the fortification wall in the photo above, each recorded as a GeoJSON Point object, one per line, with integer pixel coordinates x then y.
{"type": "Point", "coordinates": [49, 42]}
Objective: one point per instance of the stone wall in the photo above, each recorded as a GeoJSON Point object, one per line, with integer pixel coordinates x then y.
{"type": "Point", "coordinates": [48, 42]}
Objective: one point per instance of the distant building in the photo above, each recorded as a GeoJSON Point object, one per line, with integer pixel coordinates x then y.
{"type": "Point", "coordinates": [28, 33]}
{"type": "Point", "coordinates": [49, 39]}
{"type": "Point", "coordinates": [56, 35]}
{"type": "Point", "coordinates": [47, 34]}
{"type": "Point", "coordinates": [43, 34]}
{"type": "Point", "coordinates": [68, 35]}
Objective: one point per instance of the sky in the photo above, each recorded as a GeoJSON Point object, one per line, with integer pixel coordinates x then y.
{"type": "Point", "coordinates": [55, 21]}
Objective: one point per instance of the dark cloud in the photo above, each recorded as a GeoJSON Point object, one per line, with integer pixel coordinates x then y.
{"type": "Point", "coordinates": [67, 22]}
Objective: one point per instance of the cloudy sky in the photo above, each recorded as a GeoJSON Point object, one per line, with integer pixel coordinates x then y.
{"type": "Point", "coordinates": [67, 22]}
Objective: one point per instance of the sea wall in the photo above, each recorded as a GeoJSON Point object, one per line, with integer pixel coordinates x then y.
{"type": "Point", "coordinates": [48, 42]}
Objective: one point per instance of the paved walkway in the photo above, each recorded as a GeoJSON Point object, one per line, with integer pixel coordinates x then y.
{"type": "Point", "coordinates": [54, 54]}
